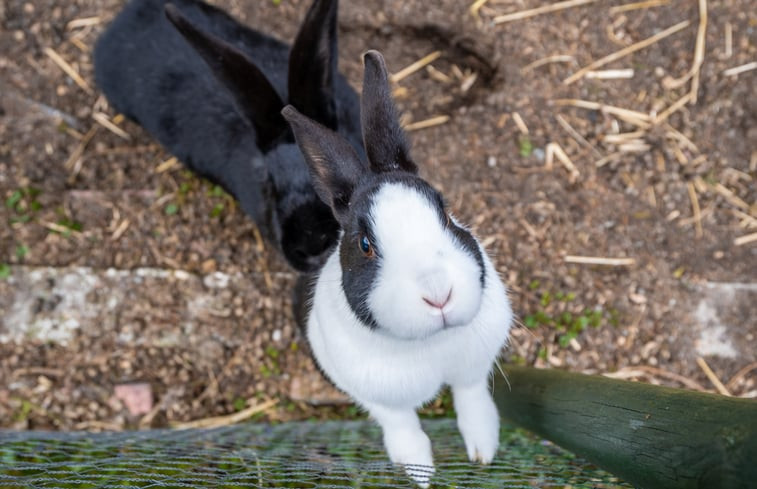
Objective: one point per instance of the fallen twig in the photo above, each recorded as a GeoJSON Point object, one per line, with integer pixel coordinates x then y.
{"type": "Point", "coordinates": [712, 377]}
{"type": "Point", "coordinates": [598, 260]}
{"type": "Point", "coordinates": [737, 70]}
{"type": "Point", "coordinates": [68, 69]}
{"type": "Point", "coordinates": [412, 68]}
{"type": "Point", "coordinates": [626, 51]}
{"type": "Point", "coordinates": [430, 122]}
{"type": "Point", "coordinates": [546, 9]}
{"type": "Point", "coordinates": [216, 421]}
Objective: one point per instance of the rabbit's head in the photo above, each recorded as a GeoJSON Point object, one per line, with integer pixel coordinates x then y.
{"type": "Point", "coordinates": [302, 224]}
{"type": "Point", "coordinates": [408, 268]}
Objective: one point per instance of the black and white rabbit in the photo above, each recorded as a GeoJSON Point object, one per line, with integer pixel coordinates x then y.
{"type": "Point", "coordinates": [211, 91]}
{"type": "Point", "coordinates": [408, 301]}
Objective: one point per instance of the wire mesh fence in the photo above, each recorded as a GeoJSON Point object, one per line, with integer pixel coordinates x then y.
{"type": "Point", "coordinates": [301, 455]}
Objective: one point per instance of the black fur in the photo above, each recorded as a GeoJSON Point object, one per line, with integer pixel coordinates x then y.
{"type": "Point", "coordinates": [223, 121]}
{"type": "Point", "coordinates": [350, 187]}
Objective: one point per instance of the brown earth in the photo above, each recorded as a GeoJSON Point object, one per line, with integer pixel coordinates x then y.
{"type": "Point", "coordinates": [119, 269]}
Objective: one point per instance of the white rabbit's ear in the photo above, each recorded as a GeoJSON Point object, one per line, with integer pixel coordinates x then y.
{"type": "Point", "coordinates": [254, 96]}
{"type": "Point", "coordinates": [385, 142]}
{"type": "Point", "coordinates": [334, 165]}
{"type": "Point", "coordinates": [313, 64]}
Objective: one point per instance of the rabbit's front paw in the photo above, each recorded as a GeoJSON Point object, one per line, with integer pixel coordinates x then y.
{"type": "Point", "coordinates": [412, 449]}
{"type": "Point", "coordinates": [478, 421]}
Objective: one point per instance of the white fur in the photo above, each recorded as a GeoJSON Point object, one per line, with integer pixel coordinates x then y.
{"type": "Point", "coordinates": [391, 371]}
{"type": "Point", "coordinates": [419, 259]}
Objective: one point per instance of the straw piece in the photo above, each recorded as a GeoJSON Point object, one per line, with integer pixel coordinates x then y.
{"type": "Point", "coordinates": [68, 69]}
{"type": "Point", "coordinates": [518, 120]}
{"type": "Point", "coordinates": [738, 376]}
{"type": "Point", "coordinates": [697, 214]}
{"type": "Point", "coordinates": [557, 58]}
{"type": "Point", "coordinates": [737, 70]}
{"type": "Point", "coordinates": [636, 118]}
{"type": "Point", "coordinates": [576, 135]}
{"type": "Point", "coordinates": [610, 74]}
{"type": "Point", "coordinates": [626, 51]}
{"type": "Point", "coordinates": [712, 377]}
{"type": "Point", "coordinates": [555, 150]}
{"type": "Point", "coordinates": [731, 197]}
{"type": "Point", "coordinates": [77, 153]}
{"type": "Point", "coordinates": [728, 40]}
{"type": "Point", "coordinates": [598, 260]}
{"type": "Point", "coordinates": [524, 14]}
{"type": "Point", "coordinates": [742, 240]}
{"type": "Point", "coordinates": [83, 22]}
{"type": "Point", "coordinates": [675, 107]}
{"type": "Point", "coordinates": [218, 421]}
{"type": "Point", "coordinates": [637, 5]}
{"type": "Point", "coordinates": [412, 68]}
{"type": "Point", "coordinates": [167, 165]}
{"type": "Point", "coordinates": [476, 6]}
{"type": "Point", "coordinates": [693, 73]}
{"type": "Point", "coordinates": [104, 121]}
{"type": "Point", "coordinates": [433, 121]}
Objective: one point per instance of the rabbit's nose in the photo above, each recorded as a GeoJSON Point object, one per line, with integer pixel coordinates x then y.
{"type": "Point", "coordinates": [438, 301]}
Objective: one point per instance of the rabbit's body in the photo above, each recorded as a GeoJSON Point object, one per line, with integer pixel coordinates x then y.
{"type": "Point", "coordinates": [149, 72]}
{"type": "Point", "coordinates": [375, 368]}
{"type": "Point", "coordinates": [408, 301]}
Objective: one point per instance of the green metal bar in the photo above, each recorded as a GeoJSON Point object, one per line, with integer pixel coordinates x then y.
{"type": "Point", "coordinates": [651, 436]}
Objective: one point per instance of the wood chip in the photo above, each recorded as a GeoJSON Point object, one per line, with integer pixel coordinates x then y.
{"type": "Point", "coordinates": [68, 69]}
{"type": "Point", "coordinates": [626, 51]}
{"type": "Point", "coordinates": [598, 260]}
{"type": "Point", "coordinates": [555, 7]}
{"type": "Point", "coordinates": [430, 122]}
{"type": "Point", "coordinates": [412, 68]}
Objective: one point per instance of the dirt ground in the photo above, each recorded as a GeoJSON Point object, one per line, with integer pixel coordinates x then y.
{"type": "Point", "coordinates": [123, 274]}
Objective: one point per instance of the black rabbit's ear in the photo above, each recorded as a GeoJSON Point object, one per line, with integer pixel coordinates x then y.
{"type": "Point", "coordinates": [385, 142]}
{"type": "Point", "coordinates": [313, 64]}
{"type": "Point", "coordinates": [254, 96]}
{"type": "Point", "coordinates": [335, 167]}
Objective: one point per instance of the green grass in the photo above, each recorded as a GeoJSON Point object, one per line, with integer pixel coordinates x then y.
{"type": "Point", "coordinates": [556, 311]}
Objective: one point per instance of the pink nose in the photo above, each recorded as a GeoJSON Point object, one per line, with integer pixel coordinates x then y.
{"type": "Point", "coordinates": [439, 304]}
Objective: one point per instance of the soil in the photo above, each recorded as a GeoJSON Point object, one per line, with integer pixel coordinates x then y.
{"type": "Point", "coordinates": [119, 269]}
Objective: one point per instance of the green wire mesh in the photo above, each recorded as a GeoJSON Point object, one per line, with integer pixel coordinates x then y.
{"type": "Point", "coordinates": [302, 455]}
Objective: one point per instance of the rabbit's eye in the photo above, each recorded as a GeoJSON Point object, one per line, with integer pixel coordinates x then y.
{"type": "Point", "coordinates": [365, 246]}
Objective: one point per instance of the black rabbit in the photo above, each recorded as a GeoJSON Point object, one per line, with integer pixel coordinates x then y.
{"type": "Point", "coordinates": [211, 91]}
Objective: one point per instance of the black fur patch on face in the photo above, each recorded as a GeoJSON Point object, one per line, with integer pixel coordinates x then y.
{"type": "Point", "coordinates": [360, 272]}
{"type": "Point", "coordinates": [308, 234]}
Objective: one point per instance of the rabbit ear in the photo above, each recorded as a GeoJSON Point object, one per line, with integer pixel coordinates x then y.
{"type": "Point", "coordinates": [385, 142]}
{"type": "Point", "coordinates": [334, 164]}
{"type": "Point", "coordinates": [254, 96]}
{"type": "Point", "coordinates": [313, 64]}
